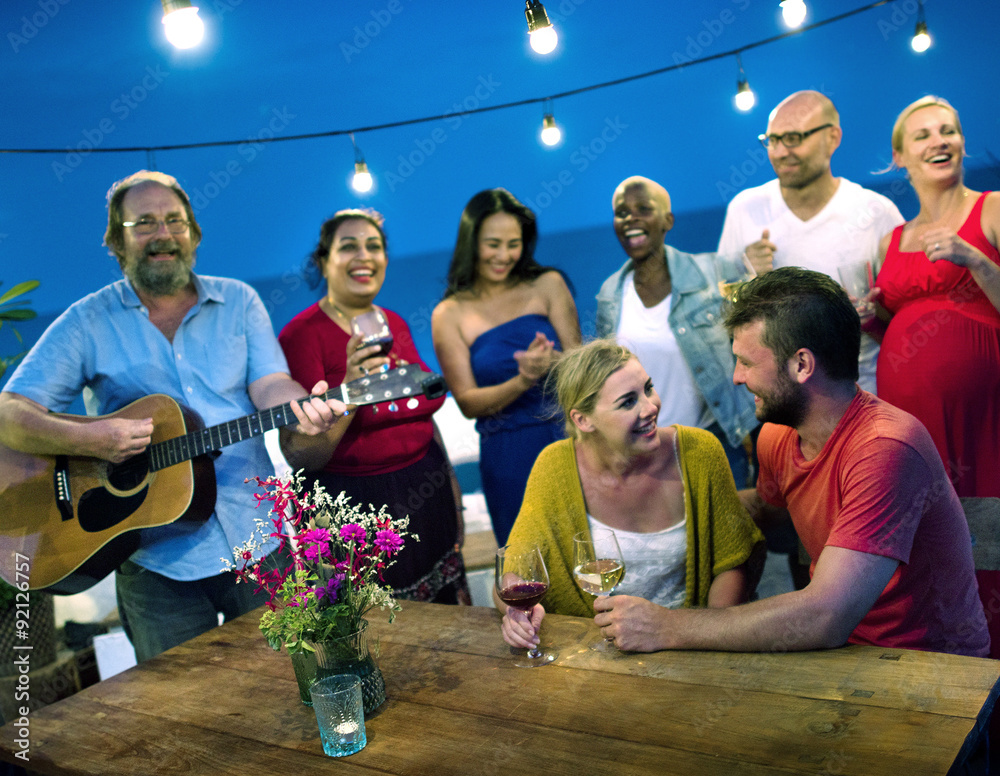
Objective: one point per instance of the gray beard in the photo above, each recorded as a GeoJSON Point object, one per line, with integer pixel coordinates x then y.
{"type": "Point", "coordinates": [160, 280]}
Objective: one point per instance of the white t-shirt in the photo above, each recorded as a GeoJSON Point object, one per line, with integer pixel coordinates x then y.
{"type": "Point", "coordinates": [646, 332]}
{"type": "Point", "coordinates": [847, 229]}
{"type": "Point", "coordinates": [655, 563]}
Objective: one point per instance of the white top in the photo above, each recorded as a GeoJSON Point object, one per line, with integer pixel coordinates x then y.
{"type": "Point", "coordinates": [646, 332]}
{"type": "Point", "coordinates": [847, 229]}
{"type": "Point", "coordinates": [655, 563]}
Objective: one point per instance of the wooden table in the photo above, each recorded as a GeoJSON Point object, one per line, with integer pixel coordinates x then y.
{"type": "Point", "coordinates": [224, 703]}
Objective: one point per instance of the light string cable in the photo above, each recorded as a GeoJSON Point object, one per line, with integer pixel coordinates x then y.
{"type": "Point", "coordinates": [481, 109]}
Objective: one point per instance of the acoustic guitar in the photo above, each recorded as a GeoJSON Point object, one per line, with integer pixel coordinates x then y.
{"type": "Point", "coordinates": [75, 519]}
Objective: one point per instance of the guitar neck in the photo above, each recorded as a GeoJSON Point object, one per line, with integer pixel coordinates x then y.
{"type": "Point", "coordinates": [402, 382]}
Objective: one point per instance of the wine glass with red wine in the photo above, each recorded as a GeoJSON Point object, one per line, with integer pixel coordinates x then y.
{"type": "Point", "coordinates": [521, 582]}
{"type": "Point", "coordinates": [374, 330]}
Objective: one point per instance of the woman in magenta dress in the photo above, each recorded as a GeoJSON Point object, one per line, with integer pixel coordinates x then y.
{"type": "Point", "coordinates": [940, 281]}
{"type": "Point", "coordinates": [502, 322]}
{"type": "Point", "coordinates": [378, 454]}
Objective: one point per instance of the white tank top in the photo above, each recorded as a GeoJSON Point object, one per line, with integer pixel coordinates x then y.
{"type": "Point", "coordinates": [655, 563]}
{"type": "Point", "coordinates": [646, 332]}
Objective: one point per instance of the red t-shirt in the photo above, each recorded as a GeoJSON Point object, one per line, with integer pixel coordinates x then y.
{"type": "Point", "coordinates": [376, 442]}
{"type": "Point", "coordinates": [878, 486]}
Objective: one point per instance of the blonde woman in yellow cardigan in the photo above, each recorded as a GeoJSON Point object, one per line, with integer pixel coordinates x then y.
{"type": "Point", "coordinates": [667, 492]}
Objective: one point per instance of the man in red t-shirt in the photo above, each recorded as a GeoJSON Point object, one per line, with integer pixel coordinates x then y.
{"type": "Point", "coordinates": [862, 482]}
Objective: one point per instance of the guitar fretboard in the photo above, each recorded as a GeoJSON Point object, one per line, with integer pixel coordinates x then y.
{"type": "Point", "coordinates": [206, 440]}
{"type": "Point", "coordinates": [380, 387]}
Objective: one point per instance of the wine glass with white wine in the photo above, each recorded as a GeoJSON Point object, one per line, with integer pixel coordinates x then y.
{"type": "Point", "coordinates": [521, 581]}
{"type": "Point", "coordinates": [598, 568]}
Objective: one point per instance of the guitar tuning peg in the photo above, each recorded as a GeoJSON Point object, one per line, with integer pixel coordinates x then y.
{"type": "Point", "coordinates": [393, 407]}
{"type": "Point", "coordinates": [412, 404]}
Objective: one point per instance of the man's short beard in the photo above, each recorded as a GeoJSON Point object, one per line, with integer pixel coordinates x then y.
{"type": "Point", "coordinates": [160, 278]}
{"type": "Point", "coordinates": [786, 407]}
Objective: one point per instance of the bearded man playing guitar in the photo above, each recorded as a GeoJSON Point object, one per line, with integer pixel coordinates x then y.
{"type": "Point", "coordinates": [205, 341]}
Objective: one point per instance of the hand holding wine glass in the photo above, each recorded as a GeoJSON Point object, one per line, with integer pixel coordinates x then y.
{"type": "Point", "coordinates": [521, 581]}
{"type": "Point", "coordinates": [598, 567]}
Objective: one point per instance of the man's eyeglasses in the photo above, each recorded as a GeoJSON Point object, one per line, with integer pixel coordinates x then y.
{"type": "Point", "coordinates": [152, 226]}
{"type": "Point", "coordinates": [789, 139]}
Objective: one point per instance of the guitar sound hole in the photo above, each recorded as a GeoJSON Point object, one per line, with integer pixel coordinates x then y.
{"type": "Point", "coordinates": [129, 474]}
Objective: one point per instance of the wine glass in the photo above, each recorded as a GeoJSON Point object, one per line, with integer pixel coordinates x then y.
{"type": "Point", "coordinates": [374, 330]}
{"type": "Point", "coordinates": [598, 568]}
{"type": "Point", "coordinates": [521, 582]}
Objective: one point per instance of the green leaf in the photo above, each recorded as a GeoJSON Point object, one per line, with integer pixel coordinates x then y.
{"type": "Point", "coordinates": [20, 288]}
{"type": "Point", "coordinates": [18, 314]}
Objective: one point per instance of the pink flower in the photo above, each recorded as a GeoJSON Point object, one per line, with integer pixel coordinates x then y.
{"type": "Point", "coordinates": [316, 544]}
{"type": "Point", "coordinates": [352, 532]}
{"type": "Point", "coordinates": [388, 541]}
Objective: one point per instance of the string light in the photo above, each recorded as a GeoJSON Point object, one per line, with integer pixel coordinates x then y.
{"type": "Point", "coordinates": [362, 180]}
{"type": "Point", "coordinates": [744, 93]}
{"type": "Point", "coordinates": [745, 99]}
{"type": "Point", "coordinates": [793, 12]}
{"type": "Point", "coordinates": [181, 23]}
{"type": "Point", "coordinates": [541, 34]}
{"type": "Point", "coordinates": [551, 134]}
{"type": "Point", "coordinates": [921, 38]}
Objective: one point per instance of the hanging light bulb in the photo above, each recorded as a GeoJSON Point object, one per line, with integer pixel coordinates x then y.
{"type": "Point", "coordinates": [551, 134]}
{"type": "Point", "coordinates": [745, 99]}
{"type": "Point", "coordinates": [362, 180]}
{"type": "Point", "coordinates": [181, 23]}
{"type": "Point", "coordinates": [793, 12]}
{"type": "Point", "coordinates": [541, 34]}
{"type": "Point", "coordinates": [921, 40]}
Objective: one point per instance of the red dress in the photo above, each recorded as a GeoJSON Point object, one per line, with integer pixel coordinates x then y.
{"type": "Point", "coordinates": [940, 358]}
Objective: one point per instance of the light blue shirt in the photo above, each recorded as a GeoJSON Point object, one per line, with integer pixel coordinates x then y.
{"type": "Point", "coordinates": [105, 346]}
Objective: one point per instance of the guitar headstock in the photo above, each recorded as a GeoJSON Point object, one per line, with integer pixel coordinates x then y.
{"type": "Point", "coordinates": [399, 383]}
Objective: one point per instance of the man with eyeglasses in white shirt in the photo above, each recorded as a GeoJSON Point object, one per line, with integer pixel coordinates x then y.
{"type": "Point", "coordinates": [806, 217]}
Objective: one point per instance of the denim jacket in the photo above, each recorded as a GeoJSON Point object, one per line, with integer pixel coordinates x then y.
{"type": "Point", "coordinates": [696, 320]}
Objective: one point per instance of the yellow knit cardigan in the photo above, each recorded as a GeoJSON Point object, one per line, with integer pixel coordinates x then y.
{"type": "Point", "coordinates": [720, 534]}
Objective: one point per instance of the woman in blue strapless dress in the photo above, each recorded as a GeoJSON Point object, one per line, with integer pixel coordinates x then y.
{"type": "Point", "coordinates": [503, 321]}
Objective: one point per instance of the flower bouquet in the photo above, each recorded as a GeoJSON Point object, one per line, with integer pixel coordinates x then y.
{"type": "Point", "coordinates": [326, 573]}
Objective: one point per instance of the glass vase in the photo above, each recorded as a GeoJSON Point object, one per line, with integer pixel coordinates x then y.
{"type": "Point", "coordinates": [350, 655]}
{"type": "Point", "coordinates": [304, 664]}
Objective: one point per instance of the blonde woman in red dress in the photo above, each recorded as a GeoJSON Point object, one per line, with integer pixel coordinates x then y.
{"type": "Point", "coordinates": [940, 282]}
